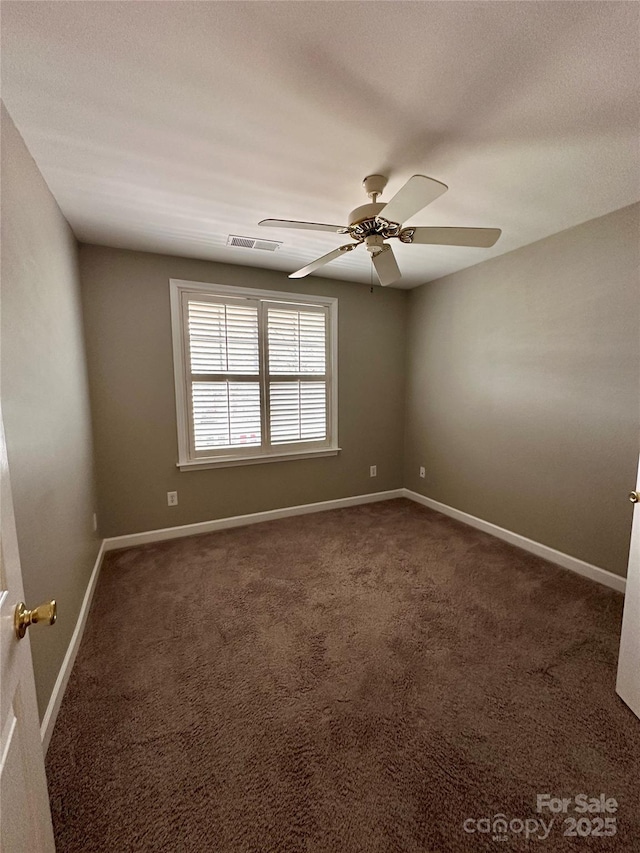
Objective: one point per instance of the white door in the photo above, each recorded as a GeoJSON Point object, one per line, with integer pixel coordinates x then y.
{"type": "Point", "coordinates": [628, 685]}
{"type": "Point", "coordinates": [25, 819]}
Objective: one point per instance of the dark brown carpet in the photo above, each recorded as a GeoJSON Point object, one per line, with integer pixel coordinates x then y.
{"type": "Point", "coordinates": [362, 680]}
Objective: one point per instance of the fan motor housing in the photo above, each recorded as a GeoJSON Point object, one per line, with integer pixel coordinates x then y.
{"type": "Point", "coordinates": [365, 211]}
{"type": "Point", "coordinates": [364, 224]}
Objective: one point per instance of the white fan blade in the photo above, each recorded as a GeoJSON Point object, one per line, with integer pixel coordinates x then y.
{"type": "Point", "coordinates": [325, 259]}
{"type": "Point", "coordinates": [418, 192]}
{"type": "Point", "coordinates": [483, 238]}
{"type": "Point", "coordinates": [386, 266]}
{"type": "Point", "coordinates": [308, 226]}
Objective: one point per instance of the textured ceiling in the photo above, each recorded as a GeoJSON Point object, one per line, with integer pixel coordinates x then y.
{"type": "Point", "coordinates": [167, 126]}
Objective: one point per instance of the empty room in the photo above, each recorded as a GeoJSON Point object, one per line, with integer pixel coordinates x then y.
{"type": "Point", "coordinates": [320, 426]}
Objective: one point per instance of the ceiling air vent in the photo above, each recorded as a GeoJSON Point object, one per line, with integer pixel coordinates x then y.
{"type": "Point", "coordinates": [252, 243]}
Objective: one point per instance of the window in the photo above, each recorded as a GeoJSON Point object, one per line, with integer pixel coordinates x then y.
{"type": "Point", "coordinates": [255, 374]}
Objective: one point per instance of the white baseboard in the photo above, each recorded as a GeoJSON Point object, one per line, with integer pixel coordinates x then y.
{"type": "Point", "coordinates": [595, 573]}
{"type": "Point", "coordinates": [558, 557]}
{"type": "Point", "coordinates": [50, 715]}
{"type": "Point", "coordinates": [128, 541]}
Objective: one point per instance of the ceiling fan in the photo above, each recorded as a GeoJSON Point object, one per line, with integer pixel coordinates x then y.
{"type": "Point", "coordinates": [376, 222]}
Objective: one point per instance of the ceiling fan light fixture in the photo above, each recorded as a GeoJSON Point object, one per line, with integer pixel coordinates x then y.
{"type": "Point", "coordinates": [368, 226]}
{"type": "Point", "coordinates": [374, 243]}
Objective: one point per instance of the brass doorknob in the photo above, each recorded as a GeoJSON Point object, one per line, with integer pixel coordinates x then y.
{"type": "Point", "coordinates": [23, 617]}
{"type": "Point", "coordinates": [634, 497]}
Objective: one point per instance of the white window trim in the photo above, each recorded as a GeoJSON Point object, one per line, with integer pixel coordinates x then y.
{"type": "Point", "coordinates": [328, 447]}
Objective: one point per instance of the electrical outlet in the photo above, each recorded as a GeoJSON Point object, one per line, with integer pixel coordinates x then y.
{"type": "Point", "coordinates": [373, 470]}
{"type": "Point", "coordinates": [95, 522]}
{"type": "Point", "coordinates": [172, 498]}
{"type": "Point", "coordinates": [423, 473]}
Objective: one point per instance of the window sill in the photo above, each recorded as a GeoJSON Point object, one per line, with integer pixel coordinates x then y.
{"type": "Point", "coordinates": [232, 461]}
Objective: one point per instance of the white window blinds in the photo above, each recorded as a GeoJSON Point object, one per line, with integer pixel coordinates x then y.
{"type": "Point", "coordinates": [225, 369]}
{"type": "Point", "coordinates": [226, 414]}
{"type": "Point", "coordinates": [297, 356]}
{"type": "Point", "coordinates": [223, 338]}
{"type": "Point", "coordinates": [257, 373]}
{"type": "Point", "coordinates": [297, 341]}
{"type": "Point", "coordinates": [298, 411]}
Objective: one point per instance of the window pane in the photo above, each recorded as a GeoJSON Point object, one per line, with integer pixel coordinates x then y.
{"type": "Point", "coordinates": [223, 338]}
{"type": "Point", "coordinates": [297, 341]}
{"type": "Point", "coordinates": [298, 411]}
{"type": "Point", "coordinates": [226, 414]}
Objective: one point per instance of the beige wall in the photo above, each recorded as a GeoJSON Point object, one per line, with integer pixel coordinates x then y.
{"type": "Point", "coordinates": [523, 389]}
{"type": "Point", "coordinates": [128, 332]}
{"type": "Point", "coordinates": [45, 403]}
